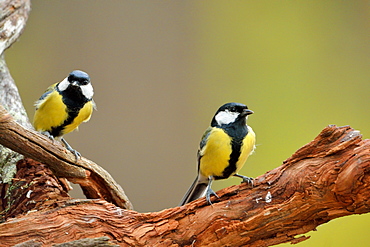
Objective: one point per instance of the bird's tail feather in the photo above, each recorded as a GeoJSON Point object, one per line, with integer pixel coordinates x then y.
{"type": "Point", "coordinates": [196, 190]}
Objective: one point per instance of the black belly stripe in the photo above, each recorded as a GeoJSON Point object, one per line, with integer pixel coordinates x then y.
{"type": "Point", "coordinates": [236, 145]}
{"type": "Point", "coordinates": [75, 101]}
{"type": "Point", "coordinates": [58, 131]}
{"type": "Point", "coordinates": [234, 157]}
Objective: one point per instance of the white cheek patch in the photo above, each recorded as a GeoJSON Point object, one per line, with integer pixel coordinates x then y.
{"type": "Point", "coordinates": [87, 90]}
{"type": "Point", "coordinates": [63, 84]}
{"type": "Point", "coordinates": [226, 117]}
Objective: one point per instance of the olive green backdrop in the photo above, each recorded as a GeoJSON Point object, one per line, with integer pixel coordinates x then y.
{"type": "Point", "coordinates": [160, 70]}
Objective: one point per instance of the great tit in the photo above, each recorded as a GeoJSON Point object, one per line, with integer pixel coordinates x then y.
{"type": "Point", "coordinates": [223, 150]}
{"type": "Point", "coordinates": [64, 106]}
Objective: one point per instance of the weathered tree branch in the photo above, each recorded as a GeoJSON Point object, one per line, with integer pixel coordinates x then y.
{"type": "Point", "coordinates": [13, 17]}
{"type": "Point", "coordinates": [93, 179]}
{"type": "Point", "coordinates": [326, 179]}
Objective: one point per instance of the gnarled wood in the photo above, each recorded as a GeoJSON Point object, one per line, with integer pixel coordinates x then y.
{"type": "Point", "coordinates": [34, 187]}
{"type": "Point", "coordinates": [326, 179]}
{"type": "Point", "coordinates": [93, 179]}
{"type": "Point", "coordinates": [13, 18]}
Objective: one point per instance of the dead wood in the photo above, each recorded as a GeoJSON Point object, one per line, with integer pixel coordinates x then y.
{"type": "Point", "coordinates": [325, 179]}
{"type": "Point", "coordinates": [93, 179]}
{"type": "Point", "coordinates": [13, 18]}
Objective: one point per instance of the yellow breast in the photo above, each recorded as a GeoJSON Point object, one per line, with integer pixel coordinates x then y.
{"type": "Point", "coordinates": [83, 116]}
{"type": "Point", "coordinates": [246, 149]}
{"type": "Point", "coordinates": [216, 153]}
{"type": "Point", "coordinates": [51, 112]}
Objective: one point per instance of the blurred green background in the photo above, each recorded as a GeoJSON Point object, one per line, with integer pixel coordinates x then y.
{"type": "Point", "coordinates": [160, 69]}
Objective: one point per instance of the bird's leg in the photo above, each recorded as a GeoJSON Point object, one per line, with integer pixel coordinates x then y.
{"type": "Point", "coordinates": [209, 190]}
{"type": "Point", "coordinates": [47, 134]}
{"type": "Point", "coordinates": [245, 179]}
{"type": "Point", "coordinates": [77, 154]}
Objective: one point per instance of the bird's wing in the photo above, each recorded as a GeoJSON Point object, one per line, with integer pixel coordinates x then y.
{"type": "Point", "coordinates": [204, 140]}
{"type": "Point", "coordinates": [48, 91]}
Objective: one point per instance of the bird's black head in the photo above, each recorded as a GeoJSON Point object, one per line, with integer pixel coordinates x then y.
{"type": "Point", "coordinates": [76, 85]}
{"type": "Point", "coordinates": [78, 78]}
{"type": "Point", "coordinates": [231, 113]}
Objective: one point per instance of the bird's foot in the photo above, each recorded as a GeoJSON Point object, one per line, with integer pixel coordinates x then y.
{"type": "Point", "coordinates": [68, 147]}
{"type": "Point", "coordinates": [48, 135]}
{"type": "Point", "coordinates": [248, 180]}
{"type": "Point", "coordinates": [210, 192]}
{"type": "Point", "coordinates": [76, 154]}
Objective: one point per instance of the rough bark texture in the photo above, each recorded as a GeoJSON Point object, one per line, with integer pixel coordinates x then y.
{"type": "Point", "coordinates": [93, 179]}
{"type": "Point", "coordinates": [325, 179]}
{"type": "Point", "coordinates": [13, 17]}
{"type": "Point", "coordinates": [34, 186]}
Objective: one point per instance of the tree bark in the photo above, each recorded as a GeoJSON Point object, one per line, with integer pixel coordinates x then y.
{"type": "Point", "coordinates": [325, 179]}
{"type": "Point", "coordinates": [16, 140]}
{"type": "Point", "coordinates": [13, 17]}
{"type": "Point", "coordinates": [93, 179]}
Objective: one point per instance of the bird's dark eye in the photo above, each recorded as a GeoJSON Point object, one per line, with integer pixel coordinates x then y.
{"type": "Point", "coordinates": [79, 76]}
{"type": "Point", "coordinates": [84, 82]}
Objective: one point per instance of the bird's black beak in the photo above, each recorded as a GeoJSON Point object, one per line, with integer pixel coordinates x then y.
{"type": "Point", "coordinates": [74, 83]}
{"type": "Point", "coordinates": [247, 112]}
